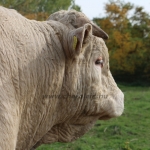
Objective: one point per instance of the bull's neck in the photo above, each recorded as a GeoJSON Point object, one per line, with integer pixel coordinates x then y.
{"type": "Point", "coordinates": [61, 31]}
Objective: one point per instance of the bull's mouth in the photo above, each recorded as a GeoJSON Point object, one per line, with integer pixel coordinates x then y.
{"type": "Point", "coordinates": [106, 117]}
{"type": "Point", "coordinates": [111, 114]}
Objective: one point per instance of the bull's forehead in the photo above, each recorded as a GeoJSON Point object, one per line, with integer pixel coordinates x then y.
{"type": "Point", "coordinates": [99, 47]}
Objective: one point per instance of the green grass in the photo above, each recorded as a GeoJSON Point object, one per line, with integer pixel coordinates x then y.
{"type": "Point", "coordinates": [131, 131]}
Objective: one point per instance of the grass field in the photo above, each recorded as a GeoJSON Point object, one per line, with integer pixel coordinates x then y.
{"type": "Point", "coordinates": [131, 131]}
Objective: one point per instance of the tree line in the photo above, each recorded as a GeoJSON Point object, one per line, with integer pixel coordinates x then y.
{"type": "Point", "coordinates": [128, 28]}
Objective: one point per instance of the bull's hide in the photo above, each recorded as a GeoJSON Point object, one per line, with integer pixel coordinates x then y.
{"type": "Point", "coordinates": [54, 82]}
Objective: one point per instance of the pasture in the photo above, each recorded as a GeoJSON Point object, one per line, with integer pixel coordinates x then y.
{"type": "Point", "coordinates": [131, 131]}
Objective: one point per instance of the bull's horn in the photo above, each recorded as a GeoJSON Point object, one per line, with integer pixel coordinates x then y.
{"type": "Point", "coordinates": [99, 32]}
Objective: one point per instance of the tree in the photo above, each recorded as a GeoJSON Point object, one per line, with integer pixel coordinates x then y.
{"type": "Point", "coordinates": [141, 30]}
{"type": "Point", "coordinates": [127, 35]}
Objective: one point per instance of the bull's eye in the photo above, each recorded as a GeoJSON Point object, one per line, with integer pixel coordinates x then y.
{"type": "Point", "coordinates": [99, 62]}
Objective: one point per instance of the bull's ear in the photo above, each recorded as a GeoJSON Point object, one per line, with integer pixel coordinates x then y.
{"type": "Point", "coordinates": [78, 39]}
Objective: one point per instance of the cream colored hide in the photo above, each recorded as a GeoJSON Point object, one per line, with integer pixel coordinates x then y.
{"type": "Point", "coordinates": [74, 19]}
{"type": "Point", "coordinates": [54, 82]}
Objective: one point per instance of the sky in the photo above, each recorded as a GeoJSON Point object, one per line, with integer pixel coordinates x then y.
{"type": "Point", "coordinates": [95, 8]}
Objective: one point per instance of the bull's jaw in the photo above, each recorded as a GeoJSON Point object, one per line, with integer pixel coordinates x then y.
{"type": "Point", "coordinates": [112, 108]}
{"type": "Point", "coordinates": [71, 132]}
{"type": "Point", "coordinates": [65, 132]}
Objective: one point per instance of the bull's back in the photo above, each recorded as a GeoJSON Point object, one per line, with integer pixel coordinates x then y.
{"type": "Point", "coordinates": [32, 65]}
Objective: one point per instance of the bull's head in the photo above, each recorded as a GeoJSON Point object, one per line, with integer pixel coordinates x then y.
{"type": "Point", "coordinates": [87, 74]}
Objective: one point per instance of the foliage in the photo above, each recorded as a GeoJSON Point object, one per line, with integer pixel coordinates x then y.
{"type": "Point", "coordinates": [129, 41]}
{"type": "Point", "coordinates": [129, 132]}
{"type": "Point", "coordinates": [39, 9]}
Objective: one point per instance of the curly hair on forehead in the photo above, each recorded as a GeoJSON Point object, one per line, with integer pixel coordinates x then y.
{"type": "Point", "coordinates": [95, 41]}
{"type": "Point", "coordinates": [99, 45]}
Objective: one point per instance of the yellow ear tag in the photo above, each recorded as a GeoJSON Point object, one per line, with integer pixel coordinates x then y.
{"type": "Point", "coordinates": [74, 42]}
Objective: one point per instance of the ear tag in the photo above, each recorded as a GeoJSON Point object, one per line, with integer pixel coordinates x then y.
{"type": "Point", "coordinates": [74, 42]}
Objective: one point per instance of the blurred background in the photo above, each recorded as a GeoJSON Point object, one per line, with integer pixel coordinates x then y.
{"type": "Point", "coordinates": [128, 26]}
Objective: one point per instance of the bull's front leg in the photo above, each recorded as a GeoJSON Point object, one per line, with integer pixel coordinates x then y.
{"type": "Point", "coordinates": [9, 122]}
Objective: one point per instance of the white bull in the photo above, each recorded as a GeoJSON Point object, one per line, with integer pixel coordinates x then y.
{"type": "Point", "coordinates": [55, 82]}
